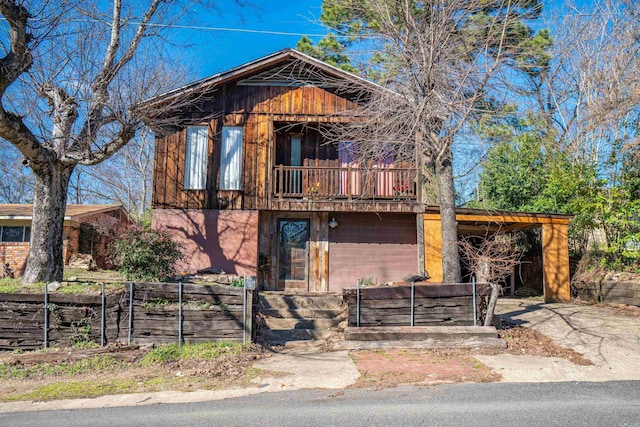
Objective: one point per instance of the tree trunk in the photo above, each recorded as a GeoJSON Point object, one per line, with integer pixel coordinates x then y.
{"type": "Point", "coordinates": [451, 272]}
{"type": "Point", "coordinates": [45, 263]}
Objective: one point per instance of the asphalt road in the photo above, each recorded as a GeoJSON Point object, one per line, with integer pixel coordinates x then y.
{"type": "Point", "coordinates": [514, 404]}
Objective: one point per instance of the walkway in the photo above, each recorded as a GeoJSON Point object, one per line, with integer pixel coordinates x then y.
{"type": "Point", "coordinates": [610, 341]}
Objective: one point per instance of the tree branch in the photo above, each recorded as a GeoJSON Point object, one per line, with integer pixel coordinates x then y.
{"type": "Point", "coordinates": [14, 63]}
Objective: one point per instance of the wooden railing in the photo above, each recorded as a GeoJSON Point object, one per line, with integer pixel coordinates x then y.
{"type": "Point", "coordinates": [326, 182]}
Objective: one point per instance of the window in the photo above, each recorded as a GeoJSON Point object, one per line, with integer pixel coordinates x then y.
{"type": "Point", "coordinates": [231, 158]}
{"type": "Point", "coordinates": [195, 168]}
{"type": "Point", "coordinates": [15, 234]}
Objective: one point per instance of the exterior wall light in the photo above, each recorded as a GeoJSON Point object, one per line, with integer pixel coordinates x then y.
{"type": "Point", "coordinates": [333, 223]}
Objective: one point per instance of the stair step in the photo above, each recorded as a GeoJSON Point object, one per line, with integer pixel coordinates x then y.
{"type": "Point", "coordinates": [278, 337]}
{"type": "Point", "coordinates": [305, 313]}
{"type": "Point", "coordinates": [280, 301]}
{"type": "Point", "coordinates": [417, 333]}
{"type": "Point", "coordinates": [282, 324]}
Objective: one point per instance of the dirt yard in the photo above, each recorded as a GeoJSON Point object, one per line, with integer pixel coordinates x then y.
{"type": "Point", "coordinates": [389, 368]}
{"type": "Point", "coordinates": [73, 373]}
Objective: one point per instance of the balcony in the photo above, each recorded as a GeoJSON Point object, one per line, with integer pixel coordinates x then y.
{"type": "Point", "coordinates": [322, 184]}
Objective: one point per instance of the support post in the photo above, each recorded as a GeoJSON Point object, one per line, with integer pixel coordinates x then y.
{"type": "Point", "coordinates": [413, 298]}
{"type": "Point", "coordinates": [46, 315]}
{"type": "Point", "coordinates": [102, 317]}
{"type": "Point", "coordinates": [130, 312]}
{"type": "Point", "coordinates": [180, 313]}
{"type": "Point", "coordinates": [358, 304]}
{"type": "Point", "coordinates": [473, 290]}
{"type": "Point", "coordinates": [555, 256]}
{"type": "Point", "coordinates": [247, 309]}
{"type": "Point", "coordinates": [433, 247]}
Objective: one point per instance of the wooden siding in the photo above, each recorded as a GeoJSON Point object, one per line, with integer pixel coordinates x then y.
{"type": "Point", "coordinates": [555, 246]}
{"type": "Point", "coordinates": [255, 108]}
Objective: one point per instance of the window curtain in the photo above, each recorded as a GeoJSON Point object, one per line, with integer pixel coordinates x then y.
{"type": "Point", "coordinates": [231, 158]}
{"type": "Point", "coordinates": [195, 168]}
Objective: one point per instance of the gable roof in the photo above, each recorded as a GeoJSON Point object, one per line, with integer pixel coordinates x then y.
{"type": "Point", "coordinates": [251, 72]}
{"type": "Point", "coordinates": [72, 212]}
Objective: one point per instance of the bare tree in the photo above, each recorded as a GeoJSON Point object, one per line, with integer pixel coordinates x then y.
{"type": "Point", "coordinates": [437, 66]}
{"type": "Point", "coordinates": [589, 91]}
{"type": "Point", "coordinates": [68, 79]}
{"type": "Point", "coordinates": [125, 178]}
{"type": "Point", "coordinates": [16, 185]}
{"type": "Point", "coordinates": [491, 258]}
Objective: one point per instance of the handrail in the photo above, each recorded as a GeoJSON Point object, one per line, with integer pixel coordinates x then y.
{"type": "Point", "coordinates": [376, 182]}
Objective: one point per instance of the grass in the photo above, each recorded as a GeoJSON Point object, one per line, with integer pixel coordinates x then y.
{"type": "Point", "coordinates": [9, 286]}
{"type": "Point", "coordinates": [14, 286]}
{"type": "Point", "coordinates": [76, 389]}
{"type": "Point", "coordinates": [203, 351]}
{"type": "Point", "coordinates": [68, 380]}
{"type": "Point", "coordinates": [96, 364]}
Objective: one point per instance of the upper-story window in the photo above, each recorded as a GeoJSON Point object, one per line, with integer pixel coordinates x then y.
{"type": "Point", "coordinates": [14, 234]}
{"type": "Point", "coordinates": [195, 168]}
{"type": "Point", "coordinates": [231, 158]}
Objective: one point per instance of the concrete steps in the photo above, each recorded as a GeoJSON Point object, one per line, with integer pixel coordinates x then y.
{"type": "Point", "coordinates": [312, 318]}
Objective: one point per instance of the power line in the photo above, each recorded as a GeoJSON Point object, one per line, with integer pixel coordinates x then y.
{"type": "Point", "coordinates": [204, 28]}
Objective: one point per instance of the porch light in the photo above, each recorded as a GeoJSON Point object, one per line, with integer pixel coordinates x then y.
{"type": "Point", "coordinates": [333, 223]}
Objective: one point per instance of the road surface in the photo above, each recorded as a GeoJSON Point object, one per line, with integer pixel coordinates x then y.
{"type": "Point", "coordinates": [497, 404]}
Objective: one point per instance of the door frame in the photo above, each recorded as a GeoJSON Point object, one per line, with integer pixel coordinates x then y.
{"type": "Point", "coordinates": [318, 261]}
{"type": "Point", "coordinates": [279, 220]}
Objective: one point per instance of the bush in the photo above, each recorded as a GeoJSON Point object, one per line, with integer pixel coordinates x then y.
{"type": "Point", "coordinates": [146, 254]}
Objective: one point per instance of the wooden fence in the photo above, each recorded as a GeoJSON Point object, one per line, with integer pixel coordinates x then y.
{"type": "Point", "coordinates": [433, 305]}
{"type": "Point", "coordinates": [158, 314]}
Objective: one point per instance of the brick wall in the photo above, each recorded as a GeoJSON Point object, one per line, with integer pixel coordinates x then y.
{"type": "Point", "coordinates": [70, 237]}
{"type": "Point", "coordinates": [15, 254]}
{"type": "Point", "coordinates": [105, 227]}
{"type": "Point", "coordinates": [382, 247]}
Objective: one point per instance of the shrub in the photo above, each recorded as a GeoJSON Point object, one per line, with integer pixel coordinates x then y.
{"type": "Point", "coordinates": [146, 254]}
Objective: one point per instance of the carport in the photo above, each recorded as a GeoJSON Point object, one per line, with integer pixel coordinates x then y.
{"type": "Point", "coordinates": [555, 242]}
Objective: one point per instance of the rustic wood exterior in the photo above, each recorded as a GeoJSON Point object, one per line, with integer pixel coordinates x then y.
{"type": "Point", "coordinates": [289, 96]}
{"type": "Point", "coordinates": [263, 109]}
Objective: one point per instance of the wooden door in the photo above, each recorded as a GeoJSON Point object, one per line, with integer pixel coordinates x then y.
{"type": "Point", "coordinates": [293, 254]}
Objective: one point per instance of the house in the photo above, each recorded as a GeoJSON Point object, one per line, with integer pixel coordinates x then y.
{"type": "Point", "coordinates": [88, 229]}
{"type": "Point", "coordinates": [246, 180]}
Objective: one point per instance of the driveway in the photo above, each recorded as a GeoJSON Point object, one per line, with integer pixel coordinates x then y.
{"type": "Point", "coordinates": [610, 341]}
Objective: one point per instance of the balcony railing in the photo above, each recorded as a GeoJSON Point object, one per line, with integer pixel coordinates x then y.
{"type": "Point", "coordinates": [327, 182]}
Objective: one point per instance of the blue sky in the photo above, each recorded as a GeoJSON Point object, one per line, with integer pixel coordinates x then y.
{"type": "Point", "coordinates": [211, 51]}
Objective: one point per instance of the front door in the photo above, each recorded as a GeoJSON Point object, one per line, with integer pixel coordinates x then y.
{"type": "Point", "coordinates": [293, 254]}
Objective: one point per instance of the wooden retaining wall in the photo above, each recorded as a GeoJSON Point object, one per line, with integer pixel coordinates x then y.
{"type": "Point", "coordinates": [434, 305]}
{"type": "Point", "coordinates": [72, 318]}
{"type": "Point", "coordinates": [609, 292]}
{"type": "Point", "coordinates": [209, 313]}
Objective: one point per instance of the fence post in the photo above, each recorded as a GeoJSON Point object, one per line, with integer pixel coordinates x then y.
{"type": "Point", "coordinates": [102, 318]}
{"type": "Point", "coordinates": [180, 313]}
{"type": "Point", "coordinates": [46, 315]}
{"type": "Point", "coordinates": [247, 308]}
{"type": "Point", "coordinates": [358, 304]}
{"type": "Point", "coordinates": [412, 302]}
{"type": "Point", "coordinates": [130, 312]}
{"type": "Point", "coordinates": [473, 290]}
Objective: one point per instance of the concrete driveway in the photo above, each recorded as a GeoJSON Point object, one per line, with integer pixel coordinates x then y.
{"type": "Point", "coordinates": [610, 341]}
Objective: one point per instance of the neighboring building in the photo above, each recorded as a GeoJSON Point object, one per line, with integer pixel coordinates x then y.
{"type": "Point", "coordinates": [246, 181]}
{"type": "Point", "coordinates": [88, 229]}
